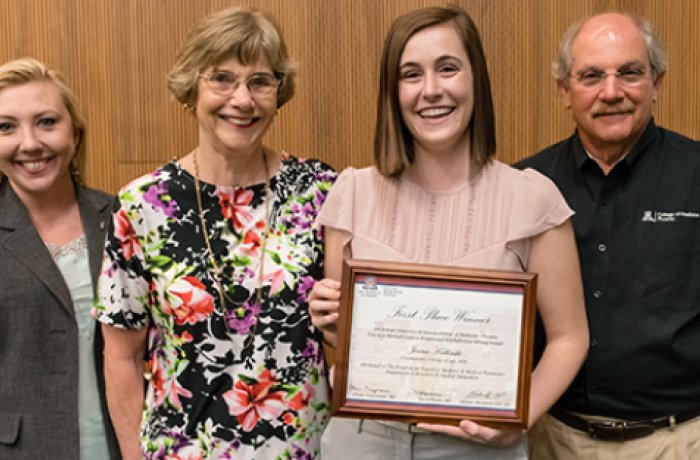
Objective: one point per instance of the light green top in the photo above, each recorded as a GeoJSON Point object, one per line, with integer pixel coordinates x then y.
{"type": "Point", "coordinates": [72, 261]}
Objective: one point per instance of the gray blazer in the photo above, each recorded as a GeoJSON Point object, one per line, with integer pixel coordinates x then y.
{"type": "Point", "coordinates": [39, 335]}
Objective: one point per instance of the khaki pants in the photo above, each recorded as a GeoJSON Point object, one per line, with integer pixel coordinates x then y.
{"type": "Point", "coordinates": [550, 439]}
{"type": "Point", "coordinates": [350, 439]}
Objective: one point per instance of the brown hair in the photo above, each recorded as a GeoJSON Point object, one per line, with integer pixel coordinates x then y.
{"type": "Point", "coordinates": [26, 70]}
{"type": "Point", "coordinates": [393, 142]}
{"type": "Point", "coordinates": [248, 35]}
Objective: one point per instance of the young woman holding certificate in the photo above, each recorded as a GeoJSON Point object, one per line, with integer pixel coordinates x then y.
{"type": "Point", "coordinates": [436, 196]}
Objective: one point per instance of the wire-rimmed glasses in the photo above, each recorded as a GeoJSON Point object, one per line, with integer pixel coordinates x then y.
{"type": "Point", "coordinates": [224, 83]}
{"type": "Point", "coordinates": [627, 76]}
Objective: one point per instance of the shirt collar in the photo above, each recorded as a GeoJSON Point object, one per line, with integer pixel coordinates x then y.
{"type": "Point", "coordinates": [581, 156]}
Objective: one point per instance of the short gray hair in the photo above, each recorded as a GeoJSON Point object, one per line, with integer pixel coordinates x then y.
{"type": "Point", "coordinates": [656, 50]}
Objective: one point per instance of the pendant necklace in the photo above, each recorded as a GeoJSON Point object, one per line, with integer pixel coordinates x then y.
{"type": "Point", "coordinates": [223, 296]}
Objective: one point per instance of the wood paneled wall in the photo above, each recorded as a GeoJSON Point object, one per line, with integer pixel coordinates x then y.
{"type": "Point", "coordinates": [116, 53]}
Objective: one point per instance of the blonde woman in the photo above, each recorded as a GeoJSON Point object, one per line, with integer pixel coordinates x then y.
{"type": "Point", "coordinates": [52, 231]}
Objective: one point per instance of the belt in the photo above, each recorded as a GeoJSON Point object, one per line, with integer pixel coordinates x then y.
{"type": "Point", "coordinates": [621, 430]}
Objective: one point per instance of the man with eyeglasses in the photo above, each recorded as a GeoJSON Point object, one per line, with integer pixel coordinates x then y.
{"type": "Point", "coordinates": [635, 188]}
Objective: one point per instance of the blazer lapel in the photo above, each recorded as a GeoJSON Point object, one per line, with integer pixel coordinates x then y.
{"type": "Point", "coordinates": [20, 238]}
{"type": "Point", "coordinates": [95, 211]}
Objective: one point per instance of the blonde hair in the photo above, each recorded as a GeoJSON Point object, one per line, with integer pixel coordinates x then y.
{"type": "Point", "coordinates": [248, 35]}
{"type": "Point", "coordinates": [26, 70]}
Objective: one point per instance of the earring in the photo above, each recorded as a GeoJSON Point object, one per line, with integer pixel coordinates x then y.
{"type": "Point", "coordinates": [188, 107]}
{"type": "Point", "coordinates": [73, 168]}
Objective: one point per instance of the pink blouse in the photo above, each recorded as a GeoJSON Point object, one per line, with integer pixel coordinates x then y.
{"type": "Point", "coordinates": [488, 223]}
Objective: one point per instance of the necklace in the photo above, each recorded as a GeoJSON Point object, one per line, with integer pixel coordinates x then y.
{"type": "Point", "coordinates": [223, 296]}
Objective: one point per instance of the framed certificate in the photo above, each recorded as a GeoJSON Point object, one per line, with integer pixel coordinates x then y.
{"type": "Point", "coordinates": [420, 343]}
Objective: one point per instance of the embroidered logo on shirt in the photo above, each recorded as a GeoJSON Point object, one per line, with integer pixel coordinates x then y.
{"type": "Point", "coordinates": [668, 216]}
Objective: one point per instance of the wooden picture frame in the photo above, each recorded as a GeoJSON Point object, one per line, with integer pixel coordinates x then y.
{"type": "Point", "coordinates": [433, 344]}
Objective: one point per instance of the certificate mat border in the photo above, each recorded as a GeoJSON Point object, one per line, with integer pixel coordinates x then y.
{"type": "Point", "coordinates": [494, 280]}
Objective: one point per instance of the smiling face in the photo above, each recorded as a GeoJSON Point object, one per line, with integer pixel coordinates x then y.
{"type": "Point", "coordinates": [436, 92]}
{"type": "Point", "coordinates": [37, 140]}
{"type": "Point", "coordinates": [236, 122]}
{"type": "Point", "coordinates": [612, 114]}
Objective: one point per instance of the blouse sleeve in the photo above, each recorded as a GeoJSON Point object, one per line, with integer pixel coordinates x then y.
{"type": "Point", "coordinates": [539, 206]}
{"type": "Point", "coordinates": [123, 288]}
{"type": "Point", "coordinates": [337, 211]}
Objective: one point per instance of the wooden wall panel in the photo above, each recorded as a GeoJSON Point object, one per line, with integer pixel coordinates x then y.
{"type": "Point", "coordinates": [116, 54]}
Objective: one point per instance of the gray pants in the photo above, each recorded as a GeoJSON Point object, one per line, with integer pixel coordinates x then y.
{"type": "Point", "coordinates": [368, 440]}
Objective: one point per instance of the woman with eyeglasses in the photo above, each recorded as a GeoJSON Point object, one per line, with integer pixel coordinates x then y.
{"type": "Point", "coordinates": [437, 196]}
{"type": "Point", "coordinates": [209, 261]}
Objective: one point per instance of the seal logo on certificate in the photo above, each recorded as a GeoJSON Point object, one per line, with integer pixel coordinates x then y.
{"type": "Point", "coordinates": [434, 344]}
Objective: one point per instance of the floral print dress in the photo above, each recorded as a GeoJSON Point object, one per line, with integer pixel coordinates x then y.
{"type": "Point", "coordinates": [239, 380]}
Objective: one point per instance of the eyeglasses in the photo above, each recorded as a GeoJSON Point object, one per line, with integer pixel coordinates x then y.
{"type": "Point", "coordinates": [225, 83]}
{"type": "Point", "coordinates": [592, 78]}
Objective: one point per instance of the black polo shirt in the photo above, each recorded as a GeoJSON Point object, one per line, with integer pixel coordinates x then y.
{"type": "Point", "coordinates": [638, 236]}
